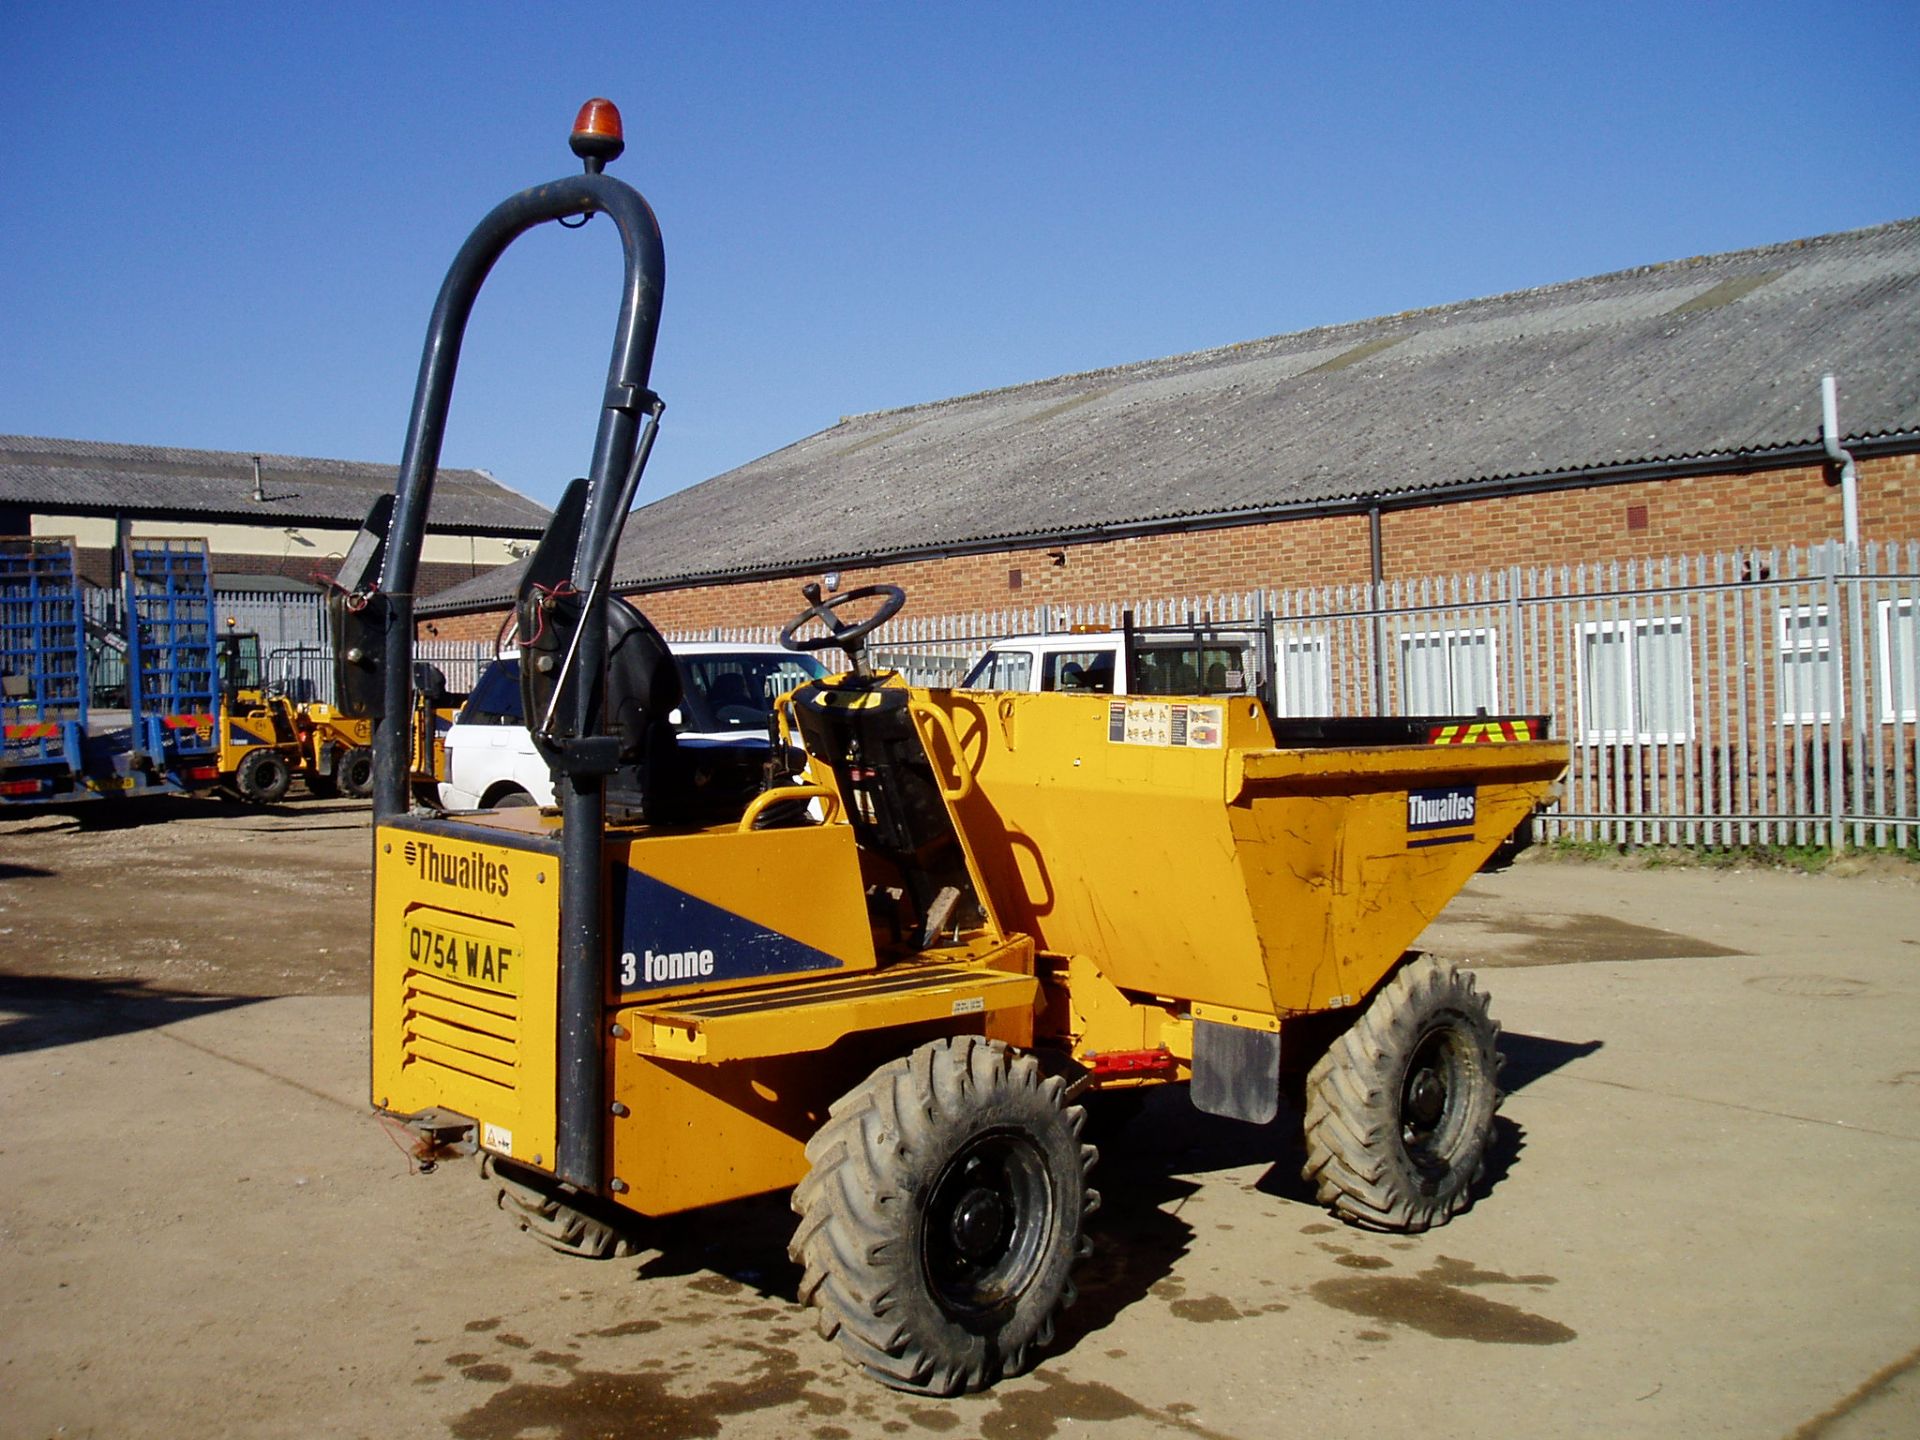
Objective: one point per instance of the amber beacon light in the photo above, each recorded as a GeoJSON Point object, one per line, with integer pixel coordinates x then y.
{"type": "Point", "coordinates": [597, 136]}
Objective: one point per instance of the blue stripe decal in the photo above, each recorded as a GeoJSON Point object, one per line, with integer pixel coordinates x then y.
{"type": "Point", "coordinates": [669, 939]}
{"type": "Point", "coordinates": [1438, 840]}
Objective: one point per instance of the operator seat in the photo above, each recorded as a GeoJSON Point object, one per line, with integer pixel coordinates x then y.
{"type": "Point", "coordinates": [643, 690]}
{"type": "Point", "coordinates": [860, 727]}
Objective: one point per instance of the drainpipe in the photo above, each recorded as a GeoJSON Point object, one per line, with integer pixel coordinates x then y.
{"type": "Point", "coordinates": [1849, 477]}
{"type": "Point", "coordinates": [1856, 636]}
{"type": "Point", "coordinates": [1379, 578]}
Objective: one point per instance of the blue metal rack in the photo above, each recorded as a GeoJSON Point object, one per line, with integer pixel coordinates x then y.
{"type": "Point", "coordinates": [43, 689]}
{"type": "Point", "coordinates": [169, 743]}
{"type": "Point", "coordinates": [170, 672]}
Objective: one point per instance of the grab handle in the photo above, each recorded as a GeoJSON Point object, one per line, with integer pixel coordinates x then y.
{"type": "Point", "coordinates": [937, 718]}
{"type": "Point", "coordinates": [830, 802]}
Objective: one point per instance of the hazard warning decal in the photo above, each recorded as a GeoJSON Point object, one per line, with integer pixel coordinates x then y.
{"type": "Point", "coordinates": [1480, 732]}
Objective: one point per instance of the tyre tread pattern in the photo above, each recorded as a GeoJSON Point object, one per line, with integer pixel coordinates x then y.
{"type": "Point", "coordinates": [354, 772]}
{"type": "Point", "coordinates": [545, 1213]}
{"type": "Point", "coordinates": [1355, 1159]}
{"type": "Point", "coordinates": [881, 1145]}
{"type": "Point", "coordinates": [262, 777]}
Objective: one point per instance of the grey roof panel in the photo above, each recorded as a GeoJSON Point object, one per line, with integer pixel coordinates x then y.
{"type": "Point", "coordinates": [1715, 356]}
{"type": "Point", "coordinates": [97, 476]}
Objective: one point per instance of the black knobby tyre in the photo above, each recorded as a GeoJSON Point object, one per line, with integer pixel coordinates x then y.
{"type": "Point", "coordinates": [262, 777]}
{"type": "Point", "coordinates": [1400, 1108]}
{"type": "Point", "coordinates": [942, 1217]}
{"type": "Point", "coordinates": [559, 1220]}
{"type": "Point", "coordinates": [354, 772]}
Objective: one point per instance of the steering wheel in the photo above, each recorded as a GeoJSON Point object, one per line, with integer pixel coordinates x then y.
{"type": "Point", "coordinates": [847, 637]}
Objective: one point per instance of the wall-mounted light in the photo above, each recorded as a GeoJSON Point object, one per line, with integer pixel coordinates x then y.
{"type": "Point", "coordinates": [1058, 557]}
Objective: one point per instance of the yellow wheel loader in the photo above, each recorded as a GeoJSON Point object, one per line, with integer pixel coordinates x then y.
{"type": "Point", "coordinates": [336, 751]}
{"type": "Point", "coordinates": [260, 747]}
{"type": "Point", "coordinates": [889, 985]}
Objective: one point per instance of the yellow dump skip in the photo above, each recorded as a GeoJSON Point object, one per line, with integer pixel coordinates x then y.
{"type": "Point", "coordinates": [1174, 842]}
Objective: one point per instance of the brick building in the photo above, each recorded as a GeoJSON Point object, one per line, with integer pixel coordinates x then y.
{"type": "Point", "coordinates": [271, 522]}
{"type": "Point", "coordinates": [1668, 410]}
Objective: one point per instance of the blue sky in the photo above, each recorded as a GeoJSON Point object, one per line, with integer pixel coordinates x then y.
{"type": "Point", "coordinates": [224, 226]}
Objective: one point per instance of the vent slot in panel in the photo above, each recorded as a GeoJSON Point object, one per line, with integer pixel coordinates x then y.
{"type": "Point", "coordinates": [463, 1028]}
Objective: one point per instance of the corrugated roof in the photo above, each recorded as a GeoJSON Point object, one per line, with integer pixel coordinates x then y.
{"type": "Point", "coordinates": [1708, 360]}
{"type": "Point", "coordinates": [93, 477]}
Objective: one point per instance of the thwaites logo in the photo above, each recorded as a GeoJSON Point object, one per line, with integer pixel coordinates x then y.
{"type": "Point", "coordinates": [1450, 809]}
{"type": "Point", "coordinates": [463, 872]}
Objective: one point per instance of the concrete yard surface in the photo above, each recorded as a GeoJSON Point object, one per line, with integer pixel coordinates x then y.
{"type": "Point", "coordinates": [1701, 1218]}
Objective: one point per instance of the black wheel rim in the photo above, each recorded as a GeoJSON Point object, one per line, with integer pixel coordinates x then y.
{"type": "Point", "coordinates": [266, 772]}
{"type": "Point", "coordinates": [986, 1224]}
{"type": "Point", "coordinates": [1434, 1097]}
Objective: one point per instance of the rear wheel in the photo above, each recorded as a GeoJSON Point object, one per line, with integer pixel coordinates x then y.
{"type": "Point", "coordinates": [354, 772]}
{"type": "Point", "coordinates": [507, 797]}
{"type": "Point", "coordinates": [1400, 1108]}
{"type": "Point", "coordinates": [262, 777]}
{"type": "Point", "coordinates": [943, 1216]}
{"type": "Point", "coordinates": [557, 1218]}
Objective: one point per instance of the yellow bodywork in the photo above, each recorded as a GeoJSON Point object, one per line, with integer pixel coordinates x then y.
{"type": "Point", "coordinates": [1171, 841]}
{"type": "Point", "coordinates": [466, 926]}
{"type": "Point", "coordinates": [252, 720]}
{"type": "Point", "coordinates": [325, 734]}
{"type": "Point", "coordinates": [427, 741]}
{"type": "Point", "coordinates": [325, 724]}
{"type": "Point", "coordinates": [1141, 864]}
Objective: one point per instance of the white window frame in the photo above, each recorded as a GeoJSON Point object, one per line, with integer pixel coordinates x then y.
{"type": "Point", "coordinates": [1312, 648]}
{"type": "Point", "coordinates": [1001, 657]}
{"type": "Point", "coordinates": [1906, 611]}
{"type": "Point", "coordinates": [1449, 638]}
{"type": "Point", "coordinates": [1636, 732]}
{"type": "Point", "coordinates": [1819, 644]}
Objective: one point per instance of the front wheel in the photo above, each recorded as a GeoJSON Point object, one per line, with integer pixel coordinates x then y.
{"type": "Point", "coordinates": [1400, 1108]}
{"type": "Point", "coordinates": [262, 777]}
{"type": "Point", "coordinates": [943, 1216]}
{"type": "Point", "coordinates": [355, 772]}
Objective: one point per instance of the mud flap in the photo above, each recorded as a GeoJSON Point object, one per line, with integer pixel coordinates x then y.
{"type": "Point", "coordinates": [1236, 1072]}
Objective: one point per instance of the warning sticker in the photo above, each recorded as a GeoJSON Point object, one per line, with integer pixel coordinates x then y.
{"type": "Point", "coordinates": [1206, 726]}
{"type": "Point", "coordinates": [1167, 724]}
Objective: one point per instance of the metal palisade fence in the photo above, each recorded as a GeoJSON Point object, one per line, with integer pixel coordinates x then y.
{"type": "Point", "coordinates": [1754, 698]}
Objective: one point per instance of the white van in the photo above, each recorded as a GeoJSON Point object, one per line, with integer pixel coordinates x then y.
{"type": "Point", "coordinates": [727, 698]}
{"type": "Point", "coordinates": [1202, 661]}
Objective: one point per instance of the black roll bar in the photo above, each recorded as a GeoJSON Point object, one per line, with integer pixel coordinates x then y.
{"type": "Point", "coordinates": [580, 1099]}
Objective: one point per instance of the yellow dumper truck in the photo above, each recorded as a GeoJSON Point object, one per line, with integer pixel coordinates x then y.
{"type": "Point", "coordinates": [888, 986]}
